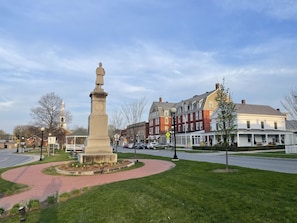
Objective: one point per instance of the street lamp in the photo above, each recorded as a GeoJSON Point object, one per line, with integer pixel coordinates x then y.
{"type": "Point", "coordinates": [18, 139]}
{"type": "Point", "coordinates": [116, 138]}
{"type": "Point", "coordinates": [42, 130]}
{"type": "Point", "coordinates": [173, 111]}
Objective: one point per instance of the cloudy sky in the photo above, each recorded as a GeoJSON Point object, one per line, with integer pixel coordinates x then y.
{"type": "Point", "coordinates": [172, 49]}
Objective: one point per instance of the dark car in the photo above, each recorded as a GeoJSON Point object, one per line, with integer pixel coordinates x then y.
{"type": "Point", "coordinates": [141, 146]}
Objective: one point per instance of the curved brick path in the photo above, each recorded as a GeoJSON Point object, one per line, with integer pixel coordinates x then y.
{"type": "Point", "coordinates": [42, 186]}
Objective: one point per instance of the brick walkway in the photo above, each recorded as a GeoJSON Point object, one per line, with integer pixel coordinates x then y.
{"type": "Point", "coordinates": [42, 186]}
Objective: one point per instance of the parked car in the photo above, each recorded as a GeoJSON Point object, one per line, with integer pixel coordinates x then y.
{"type": "Point", "coordinates": [152, 145]}
{"type": "Point", "coordinates": [130, 145]}
{"type": "Point", "coordinates": [141, 146]}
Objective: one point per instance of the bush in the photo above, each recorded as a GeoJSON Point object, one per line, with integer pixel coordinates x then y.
{"type": "Point", "coordinates": [2, 211]}
{"type": "Point", "coordinates": [33, 204]}
{"type": "Point", "coordinates": [75, 192]}
{"type": "Point", "coordinates": [51, 199]}
{"type": "Point", "coordinates": [15, 209]}
{"type": "Point", "coordinates": [64, 196]}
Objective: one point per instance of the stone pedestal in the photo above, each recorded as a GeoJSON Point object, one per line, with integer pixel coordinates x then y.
{"type": "Point", "coordinates": [98, 147]}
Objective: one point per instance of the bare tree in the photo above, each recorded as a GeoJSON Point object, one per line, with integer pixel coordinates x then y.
{"type": "Point", "coordinates": [47, 113]}
{"type": "Point", "coordinates": [116, 122]}
{"type": "Point", "coordinates": [133, 113]}
{"type": "Point", "coordinates": [290, 103]}
{"type": "Point", "coordinates": [117, 119]}
{"type": "Point", "coordinates": [226, 126]}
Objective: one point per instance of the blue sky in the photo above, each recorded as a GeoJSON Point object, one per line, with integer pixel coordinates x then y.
{"type": "Point", "coordinates": [172, 49]}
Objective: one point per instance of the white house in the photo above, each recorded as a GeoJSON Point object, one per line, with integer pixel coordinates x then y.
{"type": "Point", "coordinates": [256, 125]}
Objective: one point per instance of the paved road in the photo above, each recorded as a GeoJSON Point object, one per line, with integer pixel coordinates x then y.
{"type": "Point", "coordinates": [272, 164]}
{"type": "Point", "coordinates": [9, 158]}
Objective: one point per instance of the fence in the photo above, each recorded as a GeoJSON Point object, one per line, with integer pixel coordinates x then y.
{"type": "Point", "coordinates": [291, 149]}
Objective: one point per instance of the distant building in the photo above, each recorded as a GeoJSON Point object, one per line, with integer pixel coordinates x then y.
{"type": "Point", "coordinates": [138, 130]}
{"type": "Point", "coordinates": [160, 120]}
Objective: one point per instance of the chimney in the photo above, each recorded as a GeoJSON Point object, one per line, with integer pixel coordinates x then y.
{"type": "Point", "coordinates": [160, 99]}
{"type": "Point", "coordinates": [243, 101]}
{"type": "Point", "coordinates": [217, 86]}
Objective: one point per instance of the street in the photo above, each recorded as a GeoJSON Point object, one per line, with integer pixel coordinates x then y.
{"type": "Point", "coordinates": [263, 163]}
{"type": "Point", "coordinates": [9, 158]}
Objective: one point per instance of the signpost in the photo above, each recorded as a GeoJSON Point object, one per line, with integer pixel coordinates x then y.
{"type": "Point", "coordinates": [51, 142]}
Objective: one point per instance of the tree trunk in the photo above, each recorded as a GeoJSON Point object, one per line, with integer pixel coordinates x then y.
{"type": "Point", "coordinates": [227, 163]}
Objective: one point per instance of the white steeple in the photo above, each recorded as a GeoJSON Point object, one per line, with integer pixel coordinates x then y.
{"type": "Point", "coordinates": [62, 117]}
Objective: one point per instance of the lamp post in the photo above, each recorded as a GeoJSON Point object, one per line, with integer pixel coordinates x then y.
{"type": "Point", "coordinates": [42, 130]}
{"type": "Point", "coordinates": [116, 138]}
{"type": "Point", "coordinates": [173, 111]}
{"type": "Point", "coordinates": [18, 139]}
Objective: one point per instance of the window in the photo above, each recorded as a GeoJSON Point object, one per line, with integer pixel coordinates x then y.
{"type": "Point", "coordinates": [166, 120]}
{"type": "Point", "coordinates": [197, 125]}
{"type": "Point", "coordinates": [275, 125]}
{"type": "Point", "coordinates": [200, 103]}
{"type": "Point", "coordinates": [262, 125]}
{"type": "Point", "coordinates": [157, 121]}
{"type": "Point", "coordinates": [248, 124]}
{"type": "Point", "coordinates": [210, 104]}
{"type": "Point", "coordinates": [196, 113]}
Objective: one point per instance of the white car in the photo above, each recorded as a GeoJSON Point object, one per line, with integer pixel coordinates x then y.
{"type": "Point", "coordinates": [130, 145]}
{"type": "Point", "coordinates": [152, 145]}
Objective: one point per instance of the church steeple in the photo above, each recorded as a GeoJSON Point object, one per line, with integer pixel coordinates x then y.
{"type": "Point", "coordinates": [62, 117]}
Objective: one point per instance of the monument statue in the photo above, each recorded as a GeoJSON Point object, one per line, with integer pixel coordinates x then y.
{"type": "Point", "coordinates": [98, 147]}
{"type": "Point", "coordinates": [100, 72]}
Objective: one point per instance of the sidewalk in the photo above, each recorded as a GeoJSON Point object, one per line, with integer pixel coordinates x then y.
{"type": "Point", "coordinates": [42, 186]}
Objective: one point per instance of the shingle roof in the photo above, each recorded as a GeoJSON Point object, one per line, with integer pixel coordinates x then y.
{"type": "Point", "coordinates": [195, 98]}
{"type": "Point", "coordinates": [257, 109]}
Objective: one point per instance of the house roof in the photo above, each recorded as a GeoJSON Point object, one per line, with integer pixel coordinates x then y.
{"type": "Point", "coordinates": [195, 99]}
{"type": "Point", "coordinates": [157, 105]}
{"type": "Point", "coordinates": [257, 109]}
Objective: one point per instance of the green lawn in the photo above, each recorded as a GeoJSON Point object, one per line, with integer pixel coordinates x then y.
{"type": "Point", "coordinates": [269, 154]}
{"type": "Point", "coordinates": [190, 192]}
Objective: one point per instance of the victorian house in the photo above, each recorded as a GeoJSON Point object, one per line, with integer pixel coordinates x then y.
{"type": "Point", "coordinates": [192, 116]}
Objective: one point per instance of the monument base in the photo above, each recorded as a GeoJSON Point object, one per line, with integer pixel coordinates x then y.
{"type": "Point", "coordinates": [97, 158]}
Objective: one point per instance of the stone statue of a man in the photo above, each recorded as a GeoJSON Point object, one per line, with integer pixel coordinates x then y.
{"type": "Point", "coordinates": [100, 72]}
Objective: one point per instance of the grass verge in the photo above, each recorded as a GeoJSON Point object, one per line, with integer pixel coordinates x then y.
{"type": "Point", "coordinates": [269, 154]}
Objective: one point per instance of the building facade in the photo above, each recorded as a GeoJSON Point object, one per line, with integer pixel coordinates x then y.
{"type": "Point", "coordinates": [192, 115]}
{"type": "Point", "coordinates": [160, 120]}
{"type": "Point", "coordinates": [137, 132]}
{"type": "Point", "coordinates": [257, 125]}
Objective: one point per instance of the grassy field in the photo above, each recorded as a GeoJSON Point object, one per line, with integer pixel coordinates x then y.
{"type": "Point", "coordinates": [191, 192]}
{"type": "Point", "coordinates": [270, 154]}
